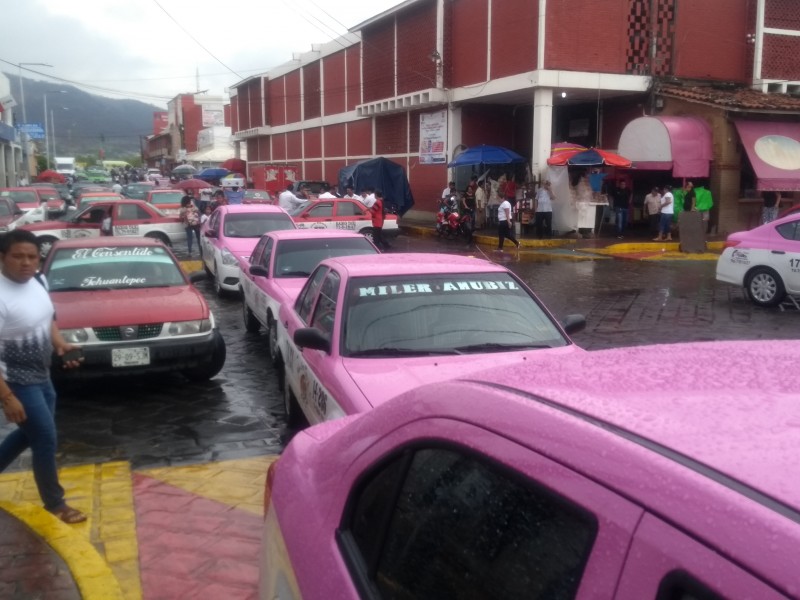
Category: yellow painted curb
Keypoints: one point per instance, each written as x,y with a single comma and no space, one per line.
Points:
92,574
190,266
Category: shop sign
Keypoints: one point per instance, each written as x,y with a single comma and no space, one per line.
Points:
433,138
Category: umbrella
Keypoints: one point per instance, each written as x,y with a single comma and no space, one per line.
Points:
50,176
486,155
184,170
588,158
191,184
234,164
211,174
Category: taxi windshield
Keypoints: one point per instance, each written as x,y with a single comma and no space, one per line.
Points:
166,198
254,225
112,268
298,258
443,313
23,197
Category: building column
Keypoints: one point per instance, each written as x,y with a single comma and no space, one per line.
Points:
3,164
454,133
542,130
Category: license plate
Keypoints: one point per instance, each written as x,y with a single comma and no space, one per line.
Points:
130,357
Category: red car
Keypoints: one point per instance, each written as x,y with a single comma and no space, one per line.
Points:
30,198
8,212
132,310
340,213
168,201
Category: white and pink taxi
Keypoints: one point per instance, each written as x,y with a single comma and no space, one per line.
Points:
113,218
280,266
340,213
230,234
366,328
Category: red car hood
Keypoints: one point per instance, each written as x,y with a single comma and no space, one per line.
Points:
380,379
109,308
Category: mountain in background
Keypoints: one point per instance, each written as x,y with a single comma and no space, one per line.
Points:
90,123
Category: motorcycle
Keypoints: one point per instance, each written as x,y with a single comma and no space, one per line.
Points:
449,223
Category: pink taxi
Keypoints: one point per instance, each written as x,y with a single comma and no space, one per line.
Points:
280,265
231,233
570,479
366,328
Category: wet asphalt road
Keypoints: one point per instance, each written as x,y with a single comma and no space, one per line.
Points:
167,421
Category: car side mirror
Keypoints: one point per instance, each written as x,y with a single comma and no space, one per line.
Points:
573,324
310,337
258,271
210,233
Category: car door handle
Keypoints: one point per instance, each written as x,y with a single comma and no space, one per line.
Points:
778,252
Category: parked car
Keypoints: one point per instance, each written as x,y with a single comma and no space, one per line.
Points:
340,213
127,218
62,189
280,265
257,197
31,198
9,212
132,310
98,175
764,260
570,479
168,201
365,328
231,233
137,190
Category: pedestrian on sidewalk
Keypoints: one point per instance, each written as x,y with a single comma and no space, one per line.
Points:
769,211
667,210
377,221
481,200
190,217
505,229
652,209
622,204
543,217
28,337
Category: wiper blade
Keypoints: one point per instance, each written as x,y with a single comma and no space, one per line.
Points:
497,347
381,352
80,289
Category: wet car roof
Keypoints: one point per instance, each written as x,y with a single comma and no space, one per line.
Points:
304,234
412,264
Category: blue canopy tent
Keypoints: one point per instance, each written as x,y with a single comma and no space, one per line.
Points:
486,155
381,174
211,174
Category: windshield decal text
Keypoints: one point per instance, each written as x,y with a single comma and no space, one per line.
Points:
82,253
93,281
425,288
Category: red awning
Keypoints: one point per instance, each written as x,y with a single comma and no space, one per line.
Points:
773,148
682,144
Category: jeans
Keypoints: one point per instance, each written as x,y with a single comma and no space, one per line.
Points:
37,432
665,228
190,232
621,215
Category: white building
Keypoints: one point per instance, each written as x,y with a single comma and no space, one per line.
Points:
10,148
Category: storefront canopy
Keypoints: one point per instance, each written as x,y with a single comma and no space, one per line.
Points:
682,144
773,148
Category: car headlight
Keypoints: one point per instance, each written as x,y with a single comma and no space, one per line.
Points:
75,336
189,327
228,258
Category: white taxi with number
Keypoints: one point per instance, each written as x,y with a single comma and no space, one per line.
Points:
340,213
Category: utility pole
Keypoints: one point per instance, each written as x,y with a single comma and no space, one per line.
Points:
24,135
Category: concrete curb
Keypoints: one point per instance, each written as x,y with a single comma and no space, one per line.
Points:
91,573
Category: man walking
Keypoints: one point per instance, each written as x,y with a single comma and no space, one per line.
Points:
28,336
622,202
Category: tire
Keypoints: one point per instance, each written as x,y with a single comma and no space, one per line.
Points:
157,235
46,244
764,287
272,336
251,324
367,233
294,416
207,371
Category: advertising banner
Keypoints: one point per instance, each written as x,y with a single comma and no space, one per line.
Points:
433,138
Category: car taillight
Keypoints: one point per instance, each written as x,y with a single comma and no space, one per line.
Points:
731,244
268,485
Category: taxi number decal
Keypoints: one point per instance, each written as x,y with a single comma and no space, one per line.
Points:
90,282
794,265
348,225
425,288
126,229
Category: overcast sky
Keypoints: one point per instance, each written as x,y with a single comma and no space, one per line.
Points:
140,48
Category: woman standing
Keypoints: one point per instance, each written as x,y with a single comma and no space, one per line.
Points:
190,217
543,219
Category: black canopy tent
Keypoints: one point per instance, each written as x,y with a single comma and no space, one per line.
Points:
381,174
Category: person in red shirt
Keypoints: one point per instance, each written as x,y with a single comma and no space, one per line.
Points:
377,221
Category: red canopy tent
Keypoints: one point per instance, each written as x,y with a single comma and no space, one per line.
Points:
236,165
587,158
50,176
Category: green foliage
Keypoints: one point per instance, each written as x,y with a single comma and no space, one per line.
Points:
41,163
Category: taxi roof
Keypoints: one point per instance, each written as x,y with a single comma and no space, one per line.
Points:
400,263
250,208
305,234
101,242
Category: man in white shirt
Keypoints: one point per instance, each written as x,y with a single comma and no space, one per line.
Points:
667,211
368,197
326,193
287,200
652,209
450,190
349,195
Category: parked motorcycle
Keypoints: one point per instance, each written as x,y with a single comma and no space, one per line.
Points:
449,223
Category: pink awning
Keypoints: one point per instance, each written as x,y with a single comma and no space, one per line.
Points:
773,148
682,144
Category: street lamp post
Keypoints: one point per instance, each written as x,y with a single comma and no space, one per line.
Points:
24,116
53,132
46,128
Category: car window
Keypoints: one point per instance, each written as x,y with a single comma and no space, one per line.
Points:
5,209
325,311
679,585
166,198
267,255
444,523
348,209
433,313
307,295
213,221
789,231
321,209
254,225
298,258
131,212
23,197
112,267
255,257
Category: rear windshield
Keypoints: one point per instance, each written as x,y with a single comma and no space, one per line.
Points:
86,201
297,258
447,314
167,198
112,267
254,225
22,197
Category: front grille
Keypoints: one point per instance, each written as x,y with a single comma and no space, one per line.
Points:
114,334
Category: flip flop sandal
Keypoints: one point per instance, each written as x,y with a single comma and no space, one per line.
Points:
69,515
